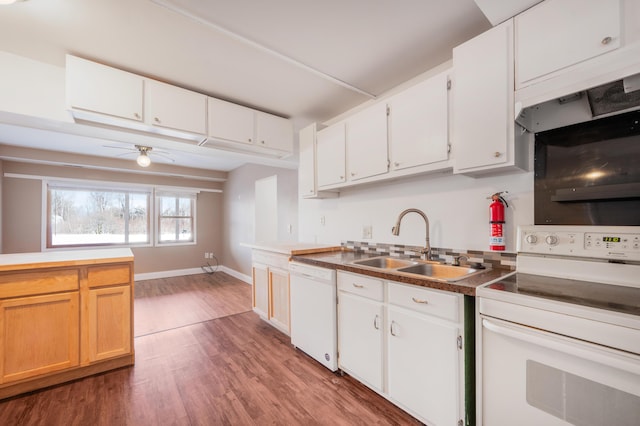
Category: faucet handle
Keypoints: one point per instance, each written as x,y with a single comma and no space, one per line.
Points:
456,259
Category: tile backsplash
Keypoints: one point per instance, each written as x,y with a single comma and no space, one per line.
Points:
490,259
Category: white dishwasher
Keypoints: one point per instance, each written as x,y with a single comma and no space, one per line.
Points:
313,299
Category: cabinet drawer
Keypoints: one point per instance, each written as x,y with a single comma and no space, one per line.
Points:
41,282
100,276
361,285
432,302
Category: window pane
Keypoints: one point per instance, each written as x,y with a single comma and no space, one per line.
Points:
174,230
168,206
86,217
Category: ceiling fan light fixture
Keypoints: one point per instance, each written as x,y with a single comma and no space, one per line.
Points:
143,159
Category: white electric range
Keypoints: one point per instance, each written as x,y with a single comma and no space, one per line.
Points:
559,339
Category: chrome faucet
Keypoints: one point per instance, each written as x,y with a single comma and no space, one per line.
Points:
426,251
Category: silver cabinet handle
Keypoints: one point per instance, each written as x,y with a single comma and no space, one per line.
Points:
357,285
376,325
262,142
250,140
156,119
606,40
353,173
136,115
420,300
391,329
497,154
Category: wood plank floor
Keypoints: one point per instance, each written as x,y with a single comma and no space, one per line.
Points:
204,358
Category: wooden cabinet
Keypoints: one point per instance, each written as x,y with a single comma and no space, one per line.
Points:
483,127
366,143
331,155
231,124
39,335
405,342
419,125
64,316
360,328
271,288
556,34
98,88
175,108
423,358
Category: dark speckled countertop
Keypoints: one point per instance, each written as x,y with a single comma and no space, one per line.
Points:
342,260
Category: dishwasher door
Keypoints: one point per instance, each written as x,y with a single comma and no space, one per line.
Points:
313,300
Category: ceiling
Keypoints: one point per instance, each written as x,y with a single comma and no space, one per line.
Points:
301,59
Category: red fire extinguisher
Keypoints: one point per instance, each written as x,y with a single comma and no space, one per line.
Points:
496,218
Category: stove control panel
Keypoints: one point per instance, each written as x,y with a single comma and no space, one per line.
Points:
604,242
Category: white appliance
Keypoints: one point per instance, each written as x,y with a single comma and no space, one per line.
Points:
314,328
558,341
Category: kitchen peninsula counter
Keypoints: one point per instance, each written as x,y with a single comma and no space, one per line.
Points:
341,259
65,315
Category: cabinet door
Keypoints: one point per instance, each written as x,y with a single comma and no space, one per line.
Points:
360,325
307,162
418,124
279,298
39,335
330,151
175,108
482,106
367,143
99,88
558,33
230,122
260,294
109,322
274,132
423,366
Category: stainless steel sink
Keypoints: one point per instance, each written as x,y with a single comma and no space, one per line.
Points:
426,269
439,272
385,262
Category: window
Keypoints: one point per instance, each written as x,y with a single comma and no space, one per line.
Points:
83,216
176,219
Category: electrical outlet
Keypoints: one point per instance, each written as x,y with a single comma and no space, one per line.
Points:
367,232
206,255
322,220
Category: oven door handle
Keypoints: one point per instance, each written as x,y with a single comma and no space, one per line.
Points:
588,351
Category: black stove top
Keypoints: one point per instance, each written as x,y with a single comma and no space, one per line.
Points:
602,296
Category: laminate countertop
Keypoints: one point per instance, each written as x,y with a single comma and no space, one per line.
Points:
49,259
342,259
290,248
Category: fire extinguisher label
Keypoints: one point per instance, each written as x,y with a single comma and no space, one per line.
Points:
496,241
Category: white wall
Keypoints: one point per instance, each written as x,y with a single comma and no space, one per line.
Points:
457,208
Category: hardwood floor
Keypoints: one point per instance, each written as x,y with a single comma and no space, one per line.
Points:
204,358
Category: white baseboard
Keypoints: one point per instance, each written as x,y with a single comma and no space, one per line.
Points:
191,271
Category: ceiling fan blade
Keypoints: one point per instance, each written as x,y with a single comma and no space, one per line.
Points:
120,147
154,154
124,154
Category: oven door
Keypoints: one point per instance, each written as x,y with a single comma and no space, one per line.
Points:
531,377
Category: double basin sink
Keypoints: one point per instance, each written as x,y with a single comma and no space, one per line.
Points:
424,269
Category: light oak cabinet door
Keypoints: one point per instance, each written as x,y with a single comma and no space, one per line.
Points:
109,322
98,88
260,289
175,108
39,335
360,339
230,122
423,366
419,125
331,155
279,298
367,143
556,34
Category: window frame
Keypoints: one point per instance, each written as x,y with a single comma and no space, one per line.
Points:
193,197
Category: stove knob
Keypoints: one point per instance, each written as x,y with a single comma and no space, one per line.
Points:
552,240
531,239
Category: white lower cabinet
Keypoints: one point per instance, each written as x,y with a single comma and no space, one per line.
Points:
404,342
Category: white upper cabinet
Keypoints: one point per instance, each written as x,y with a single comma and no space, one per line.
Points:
367,143
330,155
482,117
556,34
274,132
418,124
254,129
307,170
175,108
230,122
101,89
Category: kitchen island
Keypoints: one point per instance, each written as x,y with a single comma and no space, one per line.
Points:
64,315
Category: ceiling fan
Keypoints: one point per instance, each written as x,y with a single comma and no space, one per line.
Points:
142,151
